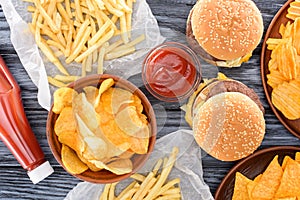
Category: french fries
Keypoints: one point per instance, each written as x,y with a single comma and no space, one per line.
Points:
79,30
151,186
284,65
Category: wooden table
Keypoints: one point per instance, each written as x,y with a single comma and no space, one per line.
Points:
170,14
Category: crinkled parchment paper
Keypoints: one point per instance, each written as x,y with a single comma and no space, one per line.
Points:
38,67
188,168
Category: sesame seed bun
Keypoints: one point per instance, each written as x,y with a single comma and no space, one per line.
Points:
226,29
229,126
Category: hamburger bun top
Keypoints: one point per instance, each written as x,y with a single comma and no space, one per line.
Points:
227,29
229,126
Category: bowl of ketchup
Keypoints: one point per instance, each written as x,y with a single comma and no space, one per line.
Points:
171,72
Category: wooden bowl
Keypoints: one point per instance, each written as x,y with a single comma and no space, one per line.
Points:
273,31
253,166
138,160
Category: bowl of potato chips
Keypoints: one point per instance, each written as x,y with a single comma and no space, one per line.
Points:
280,66
101,128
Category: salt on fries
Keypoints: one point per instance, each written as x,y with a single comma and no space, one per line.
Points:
80,30
284,65
151,186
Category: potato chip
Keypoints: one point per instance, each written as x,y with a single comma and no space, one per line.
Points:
91,93
115,135
71,161
126,154
90,165
95,148
290,182
114,99
286,99
240,187
275,78
71,140
294,10
287,198
65,121
140,145
269,182
119,166
129,121
86,111
137,103
296,36
105,85
62,98
287,60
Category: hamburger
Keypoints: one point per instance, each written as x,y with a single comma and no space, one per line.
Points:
224,32
227,118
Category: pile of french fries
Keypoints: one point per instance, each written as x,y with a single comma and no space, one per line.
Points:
80,30
152,186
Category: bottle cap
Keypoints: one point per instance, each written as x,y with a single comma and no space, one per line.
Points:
40,173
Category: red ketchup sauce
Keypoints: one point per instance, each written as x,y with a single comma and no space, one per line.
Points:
15,130
170,73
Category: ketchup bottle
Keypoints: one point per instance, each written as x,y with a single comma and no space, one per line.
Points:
15,130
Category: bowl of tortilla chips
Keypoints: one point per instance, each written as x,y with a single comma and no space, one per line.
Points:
271,173
101,128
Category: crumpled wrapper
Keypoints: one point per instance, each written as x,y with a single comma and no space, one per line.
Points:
188,168
37,65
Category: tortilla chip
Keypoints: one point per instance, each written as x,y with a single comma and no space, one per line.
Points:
252,184
285,161
240,187
269,182
290,182
297,158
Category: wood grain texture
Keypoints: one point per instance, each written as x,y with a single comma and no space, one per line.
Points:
171,16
